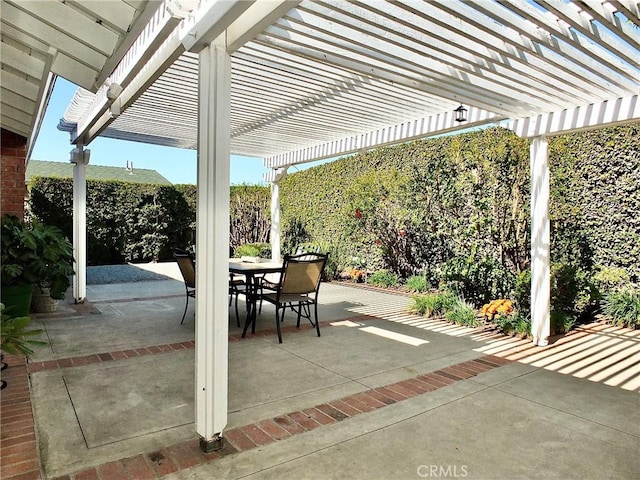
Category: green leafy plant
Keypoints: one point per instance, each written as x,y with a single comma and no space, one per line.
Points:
516,323
561,322
14,335
418,283
431,304
478,280
35,254
384,278
261,249
623,308
463,313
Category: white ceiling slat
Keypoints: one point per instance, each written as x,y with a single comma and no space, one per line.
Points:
116,16
16,114
81,52
465,61
18,85
14,126
574,47
63,18
368,67
572,16
623,30
68,68
313,78
27,64
539,55
629,8
17,101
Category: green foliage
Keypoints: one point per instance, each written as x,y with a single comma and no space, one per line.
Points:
463,313
623,307
561,321
610,279
418,283
249,215
35,254
477,280
432,304
142,222
383,278
595,178
514,324
262,250
522,293
14,335
572,291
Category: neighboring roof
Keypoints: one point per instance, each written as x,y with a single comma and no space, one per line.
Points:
42,168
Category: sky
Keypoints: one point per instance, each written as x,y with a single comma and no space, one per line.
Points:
175,164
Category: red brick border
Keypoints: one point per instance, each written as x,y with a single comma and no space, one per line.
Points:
188,454
19,459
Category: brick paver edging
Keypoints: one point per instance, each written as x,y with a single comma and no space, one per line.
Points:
165,348
188,454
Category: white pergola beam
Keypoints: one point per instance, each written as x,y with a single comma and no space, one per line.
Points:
254,20
599,115
422,127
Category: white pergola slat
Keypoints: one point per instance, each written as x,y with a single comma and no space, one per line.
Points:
313,75
79,41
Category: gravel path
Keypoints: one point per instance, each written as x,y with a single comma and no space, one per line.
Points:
100,275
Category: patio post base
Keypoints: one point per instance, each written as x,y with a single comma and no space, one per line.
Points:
208,446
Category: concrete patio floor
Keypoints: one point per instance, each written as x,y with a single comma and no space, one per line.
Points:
381,394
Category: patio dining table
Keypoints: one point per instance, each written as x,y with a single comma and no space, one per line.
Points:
252,271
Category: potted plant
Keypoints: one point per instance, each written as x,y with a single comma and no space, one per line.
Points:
13,336
33,255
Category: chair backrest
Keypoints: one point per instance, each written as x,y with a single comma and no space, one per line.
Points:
187,267
307,248
302,273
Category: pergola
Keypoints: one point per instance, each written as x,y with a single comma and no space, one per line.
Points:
296,81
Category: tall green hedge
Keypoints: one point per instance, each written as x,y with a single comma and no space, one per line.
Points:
142,222
415,206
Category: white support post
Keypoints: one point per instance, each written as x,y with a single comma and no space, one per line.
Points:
212,242
276,236
80,158
540,243
275,222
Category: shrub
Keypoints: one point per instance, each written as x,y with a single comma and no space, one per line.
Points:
384,278
609,279
418,283
522,293
262,250
571,290
515,323
623,308
433,303
477,280
462,313
561,322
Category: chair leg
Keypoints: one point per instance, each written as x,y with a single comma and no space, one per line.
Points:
237,314
186,305
317,322
299,314
278,323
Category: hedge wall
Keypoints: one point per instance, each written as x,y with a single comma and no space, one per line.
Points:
415,206
142,222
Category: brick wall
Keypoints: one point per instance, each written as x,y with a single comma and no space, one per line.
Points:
12,185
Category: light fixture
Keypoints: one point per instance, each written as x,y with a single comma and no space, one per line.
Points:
461,114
